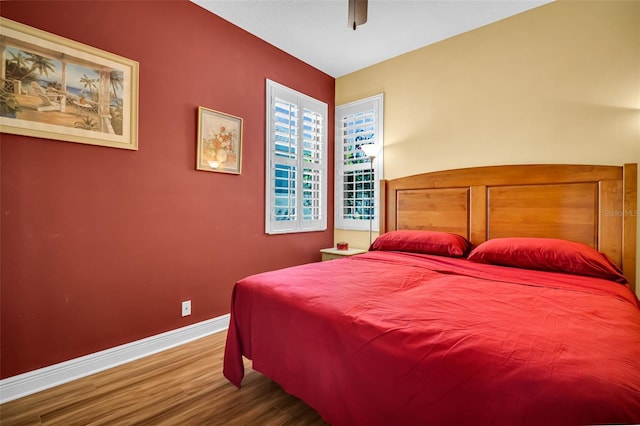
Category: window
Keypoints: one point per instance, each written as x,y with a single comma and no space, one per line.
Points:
357,191
296,169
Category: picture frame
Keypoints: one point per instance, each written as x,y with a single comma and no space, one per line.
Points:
56,88
219,147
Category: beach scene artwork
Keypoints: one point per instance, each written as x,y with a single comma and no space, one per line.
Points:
59,89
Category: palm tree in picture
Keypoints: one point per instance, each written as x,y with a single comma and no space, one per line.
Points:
86,123
116,116
40,64
18,64
88,83
116,79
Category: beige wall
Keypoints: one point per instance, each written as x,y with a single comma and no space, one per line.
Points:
557,84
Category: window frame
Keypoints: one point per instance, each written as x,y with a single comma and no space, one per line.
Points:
315,164
375,103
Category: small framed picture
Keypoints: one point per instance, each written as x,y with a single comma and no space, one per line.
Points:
219,142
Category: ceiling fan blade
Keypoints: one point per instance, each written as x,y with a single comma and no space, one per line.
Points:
357,12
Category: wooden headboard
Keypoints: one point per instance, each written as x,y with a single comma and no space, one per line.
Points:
594,205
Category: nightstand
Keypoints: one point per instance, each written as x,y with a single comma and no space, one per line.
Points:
334,253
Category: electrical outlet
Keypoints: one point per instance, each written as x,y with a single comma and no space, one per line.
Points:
186,308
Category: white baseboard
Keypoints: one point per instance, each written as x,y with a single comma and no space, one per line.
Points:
37,380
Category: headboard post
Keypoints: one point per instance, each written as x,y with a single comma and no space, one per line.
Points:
630,221
383,211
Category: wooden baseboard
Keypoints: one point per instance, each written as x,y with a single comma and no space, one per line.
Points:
44,378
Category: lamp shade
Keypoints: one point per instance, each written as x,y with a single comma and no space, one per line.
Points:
370,150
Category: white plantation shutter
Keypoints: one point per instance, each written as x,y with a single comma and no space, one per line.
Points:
314,160
284,164
296,166
357,192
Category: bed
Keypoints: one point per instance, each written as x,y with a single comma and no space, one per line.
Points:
494,295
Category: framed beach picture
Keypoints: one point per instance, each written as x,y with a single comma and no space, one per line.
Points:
55,88
219,142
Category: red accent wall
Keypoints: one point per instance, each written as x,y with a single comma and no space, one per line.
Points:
100,245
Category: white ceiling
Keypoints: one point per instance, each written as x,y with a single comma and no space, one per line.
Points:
317,32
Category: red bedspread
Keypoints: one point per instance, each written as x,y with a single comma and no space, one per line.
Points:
389,338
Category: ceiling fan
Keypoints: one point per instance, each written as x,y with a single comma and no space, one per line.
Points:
357,13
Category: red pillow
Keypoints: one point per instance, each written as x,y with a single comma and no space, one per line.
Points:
547,254
427,242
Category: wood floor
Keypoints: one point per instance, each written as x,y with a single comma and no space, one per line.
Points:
180,386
